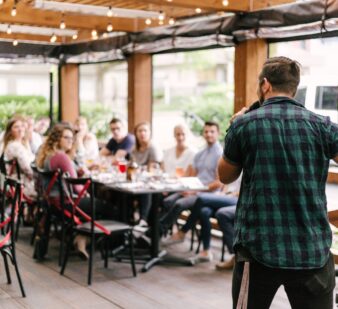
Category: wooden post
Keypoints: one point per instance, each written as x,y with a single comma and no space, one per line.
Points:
249,59
69,107
139,89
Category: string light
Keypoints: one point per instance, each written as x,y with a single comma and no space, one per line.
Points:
225,2
148,21
62,24
15,43
53,38
109,27
13,11
110,12
171,21
198,10
9,29
161,15
74,37
160,22
105,35
94,34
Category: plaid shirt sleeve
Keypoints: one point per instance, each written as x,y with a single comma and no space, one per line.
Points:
232,149
333,140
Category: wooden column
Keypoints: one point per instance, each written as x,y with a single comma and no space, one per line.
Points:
139,89
249,59
69,92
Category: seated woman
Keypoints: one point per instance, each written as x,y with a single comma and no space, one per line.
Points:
85,143
52,156
16,146
178,160
207,206
144,153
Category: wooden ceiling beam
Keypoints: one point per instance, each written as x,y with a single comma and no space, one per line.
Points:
213,5
27,15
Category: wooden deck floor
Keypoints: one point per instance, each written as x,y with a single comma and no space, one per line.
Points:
163,286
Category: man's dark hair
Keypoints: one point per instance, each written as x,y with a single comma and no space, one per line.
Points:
115,120
282,73
212,124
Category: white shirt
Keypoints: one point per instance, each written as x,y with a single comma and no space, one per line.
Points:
183,161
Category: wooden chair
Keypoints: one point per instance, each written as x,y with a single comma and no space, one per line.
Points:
90,227
12,195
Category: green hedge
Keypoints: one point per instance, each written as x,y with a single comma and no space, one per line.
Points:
35,106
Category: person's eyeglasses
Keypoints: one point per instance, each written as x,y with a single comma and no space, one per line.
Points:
68,138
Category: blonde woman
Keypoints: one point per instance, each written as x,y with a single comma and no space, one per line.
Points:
85,142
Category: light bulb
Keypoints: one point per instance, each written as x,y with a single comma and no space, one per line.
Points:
62,24
110,12
198,10
160,22
74,36
13,11
161,15
148,21
109,27
225,2
53,38
171,21
15,43
9,29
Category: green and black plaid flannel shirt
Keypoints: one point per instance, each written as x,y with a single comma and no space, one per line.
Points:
284,151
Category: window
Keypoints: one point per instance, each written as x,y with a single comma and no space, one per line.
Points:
327,97
300,95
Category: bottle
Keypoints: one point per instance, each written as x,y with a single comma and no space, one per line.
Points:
132,169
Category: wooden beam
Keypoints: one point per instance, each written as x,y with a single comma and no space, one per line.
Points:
261,4
213,5
69,92
249,59
139,89
27,15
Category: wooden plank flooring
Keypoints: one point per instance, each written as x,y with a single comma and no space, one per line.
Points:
164,286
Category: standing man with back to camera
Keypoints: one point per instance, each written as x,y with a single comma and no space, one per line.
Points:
282,233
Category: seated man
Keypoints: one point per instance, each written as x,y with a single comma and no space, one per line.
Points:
205,168
121,142
207,206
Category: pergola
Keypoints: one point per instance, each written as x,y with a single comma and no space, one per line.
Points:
83,31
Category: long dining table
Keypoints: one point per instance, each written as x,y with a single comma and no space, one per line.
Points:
155,188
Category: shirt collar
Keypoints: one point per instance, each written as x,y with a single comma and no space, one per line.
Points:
283,100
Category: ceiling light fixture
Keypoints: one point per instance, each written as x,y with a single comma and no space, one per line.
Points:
171,21
198,10
9,29
86,9
148,21
15,43
62,23
94,34
110,12
53,38
225,2
13,11
109,27
161,15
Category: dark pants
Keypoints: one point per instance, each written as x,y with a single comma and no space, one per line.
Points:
144,204
306,289
205,207
225,217
174,204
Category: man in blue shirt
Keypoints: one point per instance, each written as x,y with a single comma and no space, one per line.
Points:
205,168
121,142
